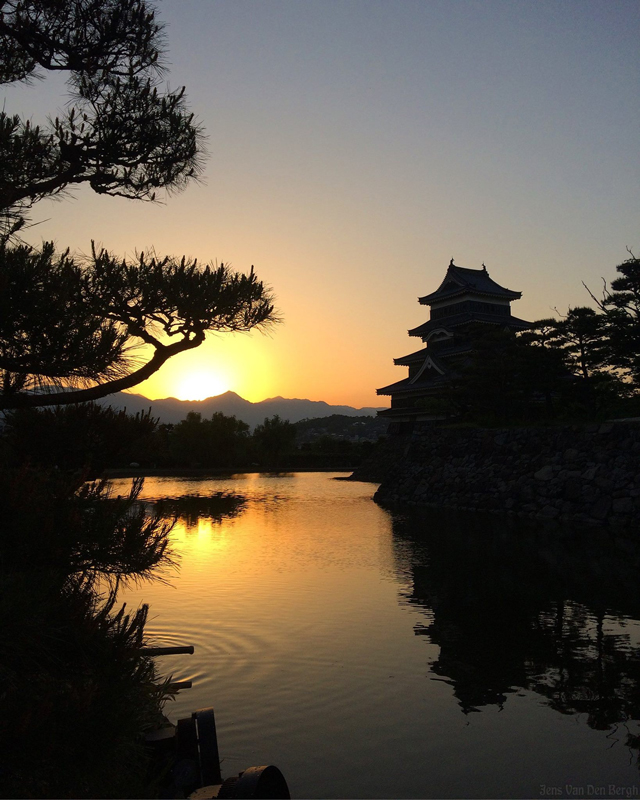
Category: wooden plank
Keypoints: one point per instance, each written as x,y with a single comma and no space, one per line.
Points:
168,651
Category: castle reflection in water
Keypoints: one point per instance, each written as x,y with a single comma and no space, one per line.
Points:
553,611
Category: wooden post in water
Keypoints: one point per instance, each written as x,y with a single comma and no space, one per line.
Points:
168,651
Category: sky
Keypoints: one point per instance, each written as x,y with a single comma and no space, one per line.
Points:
355,147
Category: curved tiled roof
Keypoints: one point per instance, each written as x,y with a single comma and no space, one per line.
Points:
460,280
406,386
462,319
412,358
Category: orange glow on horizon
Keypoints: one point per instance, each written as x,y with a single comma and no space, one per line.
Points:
200,384
258,367
237,363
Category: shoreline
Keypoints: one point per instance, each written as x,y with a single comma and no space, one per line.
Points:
183,472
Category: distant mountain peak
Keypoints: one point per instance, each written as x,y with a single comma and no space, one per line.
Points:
172,410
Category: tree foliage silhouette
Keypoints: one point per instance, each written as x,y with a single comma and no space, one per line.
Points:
78,691
221,441
274,438
121,134
77,325
620,304
579,336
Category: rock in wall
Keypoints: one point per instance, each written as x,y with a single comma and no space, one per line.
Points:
586,474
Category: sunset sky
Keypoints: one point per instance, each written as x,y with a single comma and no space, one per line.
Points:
355,146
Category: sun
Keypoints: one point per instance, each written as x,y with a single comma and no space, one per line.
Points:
200,385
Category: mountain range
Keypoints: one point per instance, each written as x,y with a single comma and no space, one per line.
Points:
172,410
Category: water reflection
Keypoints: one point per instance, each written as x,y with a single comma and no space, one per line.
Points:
312,663
190,508
514,607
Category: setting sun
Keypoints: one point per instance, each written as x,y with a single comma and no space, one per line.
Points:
200,385
241,364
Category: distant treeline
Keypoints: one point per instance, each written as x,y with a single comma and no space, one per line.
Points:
90,437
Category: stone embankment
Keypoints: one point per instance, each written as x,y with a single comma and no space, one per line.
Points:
587,474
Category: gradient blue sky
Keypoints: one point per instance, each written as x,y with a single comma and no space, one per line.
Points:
355,147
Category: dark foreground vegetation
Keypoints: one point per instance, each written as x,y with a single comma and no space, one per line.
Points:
76,692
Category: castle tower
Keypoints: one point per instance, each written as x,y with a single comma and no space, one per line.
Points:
466,299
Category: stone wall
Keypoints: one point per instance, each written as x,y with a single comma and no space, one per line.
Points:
586,474
387,457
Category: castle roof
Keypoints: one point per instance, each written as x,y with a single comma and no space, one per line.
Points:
460,280
463,319
407,387
412,358
465,300
431,374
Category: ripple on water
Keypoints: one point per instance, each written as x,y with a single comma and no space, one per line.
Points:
303,611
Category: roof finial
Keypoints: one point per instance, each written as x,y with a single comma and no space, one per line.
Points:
451,264
484,266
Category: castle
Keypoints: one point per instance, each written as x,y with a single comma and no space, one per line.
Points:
465,300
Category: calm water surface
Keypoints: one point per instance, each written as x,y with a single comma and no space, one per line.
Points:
377,655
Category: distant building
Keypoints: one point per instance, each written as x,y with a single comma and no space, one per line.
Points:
466,300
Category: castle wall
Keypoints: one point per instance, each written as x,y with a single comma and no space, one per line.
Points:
586,474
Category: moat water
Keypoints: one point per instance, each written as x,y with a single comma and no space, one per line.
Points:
371,654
